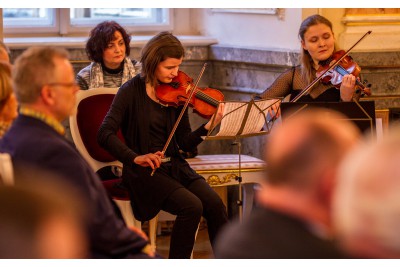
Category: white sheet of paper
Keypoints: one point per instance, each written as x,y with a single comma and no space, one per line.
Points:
234,113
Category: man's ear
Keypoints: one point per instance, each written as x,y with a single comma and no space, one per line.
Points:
47,95
327,183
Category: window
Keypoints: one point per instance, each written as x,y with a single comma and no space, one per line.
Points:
27,16
67,21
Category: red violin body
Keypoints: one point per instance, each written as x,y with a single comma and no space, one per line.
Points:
345,66
204,101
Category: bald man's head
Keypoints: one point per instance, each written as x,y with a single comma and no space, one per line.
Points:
306,144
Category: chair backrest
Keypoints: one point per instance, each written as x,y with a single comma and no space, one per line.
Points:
6,169
91,107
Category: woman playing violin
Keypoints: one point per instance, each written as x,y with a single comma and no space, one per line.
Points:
318,45
146,125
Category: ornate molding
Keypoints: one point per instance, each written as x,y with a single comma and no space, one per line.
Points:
215,180
357,20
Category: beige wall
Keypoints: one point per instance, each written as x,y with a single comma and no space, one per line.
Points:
252,30
269,32
262,31
335,15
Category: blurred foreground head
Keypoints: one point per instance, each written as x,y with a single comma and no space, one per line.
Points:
367,199
302,155
41,219
307,146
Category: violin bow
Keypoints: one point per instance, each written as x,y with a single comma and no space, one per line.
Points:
182,112
311,85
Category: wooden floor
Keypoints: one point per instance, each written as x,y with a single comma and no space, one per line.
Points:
202,246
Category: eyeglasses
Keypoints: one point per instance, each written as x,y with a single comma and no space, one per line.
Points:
74,84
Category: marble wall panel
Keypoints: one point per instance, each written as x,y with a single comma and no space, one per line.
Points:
241,73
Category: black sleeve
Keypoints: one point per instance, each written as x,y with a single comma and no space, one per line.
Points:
188,140
107,134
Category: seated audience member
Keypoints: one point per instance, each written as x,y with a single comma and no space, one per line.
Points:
41,219
4,52
8,102
292,217
36,138
108,49
367,199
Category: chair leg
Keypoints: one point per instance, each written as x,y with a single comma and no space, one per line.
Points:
126,210
153,232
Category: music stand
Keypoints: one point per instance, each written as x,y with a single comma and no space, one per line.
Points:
241,120
362,114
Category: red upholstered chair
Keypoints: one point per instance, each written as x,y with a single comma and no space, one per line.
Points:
91,108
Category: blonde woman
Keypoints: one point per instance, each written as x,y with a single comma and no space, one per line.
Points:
8,102
317,46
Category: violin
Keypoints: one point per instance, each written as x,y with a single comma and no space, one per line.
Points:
330,67
346,66
204,101
182,91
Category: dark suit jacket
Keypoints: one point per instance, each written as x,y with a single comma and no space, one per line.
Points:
269,234
33,142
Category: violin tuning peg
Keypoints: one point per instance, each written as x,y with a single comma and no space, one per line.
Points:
365,81
369,85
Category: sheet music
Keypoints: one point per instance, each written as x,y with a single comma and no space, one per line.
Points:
234,114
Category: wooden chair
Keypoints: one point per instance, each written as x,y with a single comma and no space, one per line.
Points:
91,107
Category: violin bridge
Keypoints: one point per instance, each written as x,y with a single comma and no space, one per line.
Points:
188,88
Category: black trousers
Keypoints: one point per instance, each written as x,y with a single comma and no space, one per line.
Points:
189,204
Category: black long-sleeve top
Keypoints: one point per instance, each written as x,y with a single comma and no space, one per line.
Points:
292,83
130,112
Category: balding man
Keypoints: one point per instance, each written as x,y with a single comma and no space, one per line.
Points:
292,219
45,87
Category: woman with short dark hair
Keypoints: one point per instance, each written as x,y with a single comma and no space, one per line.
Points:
108,49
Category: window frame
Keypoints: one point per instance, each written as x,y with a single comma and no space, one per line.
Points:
61,26
51,28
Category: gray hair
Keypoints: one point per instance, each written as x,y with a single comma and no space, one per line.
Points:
367,198
33,69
